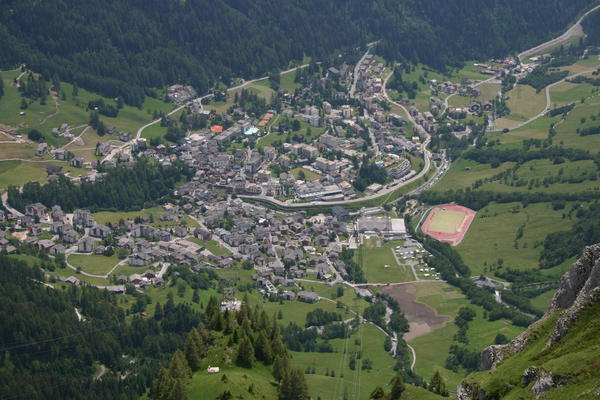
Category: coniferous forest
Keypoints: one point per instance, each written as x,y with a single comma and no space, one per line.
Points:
121,48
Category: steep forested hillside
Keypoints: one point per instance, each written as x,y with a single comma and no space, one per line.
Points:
120,48
47,353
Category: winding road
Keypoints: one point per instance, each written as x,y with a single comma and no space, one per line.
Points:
548,102
573,31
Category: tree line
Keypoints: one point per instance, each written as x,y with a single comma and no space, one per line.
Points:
200,42
124,189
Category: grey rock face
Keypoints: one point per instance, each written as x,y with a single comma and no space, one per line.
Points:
578,287
543,383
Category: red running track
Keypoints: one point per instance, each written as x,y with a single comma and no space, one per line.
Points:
451,238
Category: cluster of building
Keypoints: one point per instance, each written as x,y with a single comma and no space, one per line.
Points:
180,94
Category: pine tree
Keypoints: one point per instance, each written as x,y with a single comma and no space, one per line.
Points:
437,385
1,87
158,312
397,387
245,354
192,352
179,391
280,366
196,297
293,386
378,393
163,385
262,348
179,368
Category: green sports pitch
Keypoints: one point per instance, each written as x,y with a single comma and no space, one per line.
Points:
446,221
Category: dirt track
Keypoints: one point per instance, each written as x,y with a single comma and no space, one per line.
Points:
421,318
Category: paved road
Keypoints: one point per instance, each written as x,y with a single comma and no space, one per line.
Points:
569,33
384,90
11,210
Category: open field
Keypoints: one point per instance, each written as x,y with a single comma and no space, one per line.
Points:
17,173
542,302
356,384
545,175
260,88
211,246
464,173
421,318
349,298
308,174
524,102
567,131
70,110
238,380
309,132
432,348
105,217
378,263
493,232
17,150
93,264
489,91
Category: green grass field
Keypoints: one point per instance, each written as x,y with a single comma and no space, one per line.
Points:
308,174
464,173
71,110
17,173
432,348
374,259
489,91
446,221
524,102
105,217
542,301
357,384
94,264
492,236
211,246
535,172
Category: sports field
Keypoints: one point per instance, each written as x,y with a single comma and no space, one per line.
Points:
448,223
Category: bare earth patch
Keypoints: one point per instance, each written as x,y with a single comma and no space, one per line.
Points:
421,319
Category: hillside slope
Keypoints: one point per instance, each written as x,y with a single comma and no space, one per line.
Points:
120,48
558,356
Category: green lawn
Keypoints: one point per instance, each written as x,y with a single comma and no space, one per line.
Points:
308,174
374,259
212,246
524,102
542,301
17,173
105,217
94,264
464,173
71,110
446,221
357,384
493,231
535,172
432,348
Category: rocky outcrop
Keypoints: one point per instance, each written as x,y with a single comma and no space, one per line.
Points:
577,289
